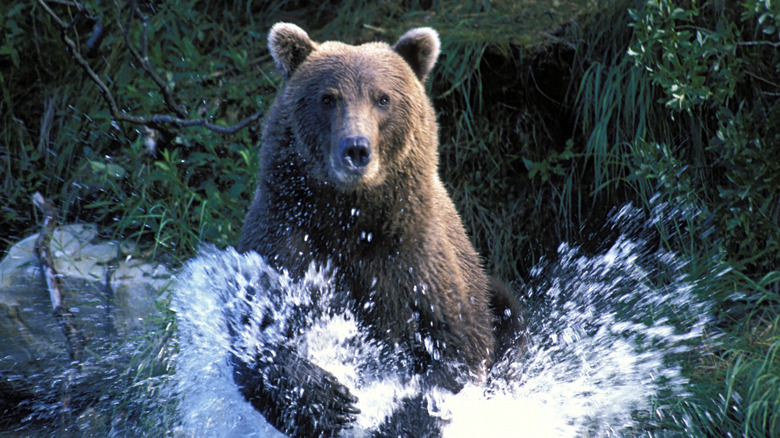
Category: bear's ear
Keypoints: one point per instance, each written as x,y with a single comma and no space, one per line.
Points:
289,46
419,48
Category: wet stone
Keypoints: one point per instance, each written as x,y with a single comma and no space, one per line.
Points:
110,293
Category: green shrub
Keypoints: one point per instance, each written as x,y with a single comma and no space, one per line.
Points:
162,185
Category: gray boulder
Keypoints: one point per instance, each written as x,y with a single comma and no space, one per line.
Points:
111,292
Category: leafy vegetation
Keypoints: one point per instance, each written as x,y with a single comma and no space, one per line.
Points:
161,185
550,117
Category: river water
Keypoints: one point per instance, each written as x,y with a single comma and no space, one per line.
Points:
608,337
607,334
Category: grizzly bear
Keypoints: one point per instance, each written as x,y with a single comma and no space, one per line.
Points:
349,178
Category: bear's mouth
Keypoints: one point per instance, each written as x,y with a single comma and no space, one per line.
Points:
346,175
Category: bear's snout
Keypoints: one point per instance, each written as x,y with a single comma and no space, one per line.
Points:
355,153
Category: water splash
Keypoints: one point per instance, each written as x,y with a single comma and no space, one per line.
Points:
606,334
605,341
220,288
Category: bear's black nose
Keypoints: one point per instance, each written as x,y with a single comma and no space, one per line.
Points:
356,152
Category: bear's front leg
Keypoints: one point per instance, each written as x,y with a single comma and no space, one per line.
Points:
295,395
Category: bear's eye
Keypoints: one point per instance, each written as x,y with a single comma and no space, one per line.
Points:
327,100
384,100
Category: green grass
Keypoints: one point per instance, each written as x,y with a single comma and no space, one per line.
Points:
735,387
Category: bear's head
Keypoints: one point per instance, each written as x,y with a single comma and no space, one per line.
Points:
358,114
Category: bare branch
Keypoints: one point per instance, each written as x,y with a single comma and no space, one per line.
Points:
143,60
42,248
182,123
119,115
61,24
73,338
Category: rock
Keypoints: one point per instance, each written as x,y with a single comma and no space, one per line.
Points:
101,277
110,291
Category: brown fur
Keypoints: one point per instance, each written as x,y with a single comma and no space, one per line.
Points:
388,227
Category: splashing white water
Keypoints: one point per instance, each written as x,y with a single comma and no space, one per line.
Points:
601,353
604,333
214,289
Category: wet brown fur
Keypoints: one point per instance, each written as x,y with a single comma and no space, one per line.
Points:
392,233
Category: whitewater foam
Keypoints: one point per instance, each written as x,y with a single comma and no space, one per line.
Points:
604,336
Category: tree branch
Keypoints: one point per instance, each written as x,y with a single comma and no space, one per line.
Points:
117,114
143,60
73,336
